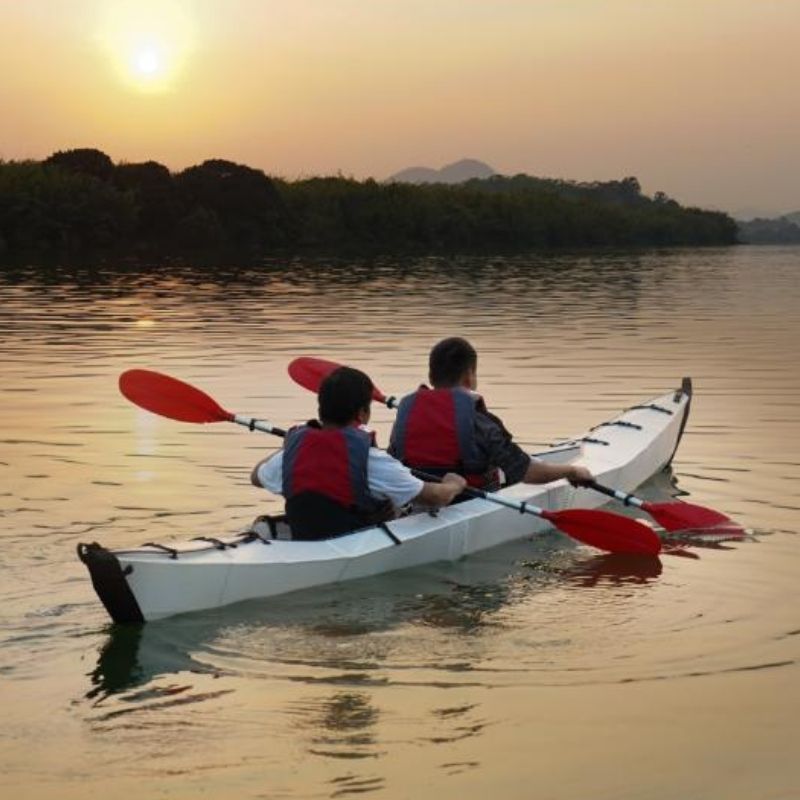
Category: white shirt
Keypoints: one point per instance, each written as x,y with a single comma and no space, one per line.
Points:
386,477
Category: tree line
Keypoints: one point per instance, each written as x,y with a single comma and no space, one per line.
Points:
780,230
78,203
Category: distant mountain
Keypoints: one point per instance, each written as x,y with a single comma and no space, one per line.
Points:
416,175
457,172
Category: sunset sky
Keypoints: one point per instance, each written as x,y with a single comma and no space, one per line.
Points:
697,98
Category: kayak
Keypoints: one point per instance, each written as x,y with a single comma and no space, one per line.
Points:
157,580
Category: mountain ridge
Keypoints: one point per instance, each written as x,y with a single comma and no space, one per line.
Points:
464,169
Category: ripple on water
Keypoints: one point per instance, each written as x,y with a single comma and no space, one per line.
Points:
563,619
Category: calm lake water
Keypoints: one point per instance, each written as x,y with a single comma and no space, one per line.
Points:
541,669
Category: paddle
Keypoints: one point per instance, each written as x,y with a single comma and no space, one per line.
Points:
309,373
170,397
673,516
600,529
676,515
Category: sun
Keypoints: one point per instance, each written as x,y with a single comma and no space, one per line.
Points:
148,62
149,65
147,42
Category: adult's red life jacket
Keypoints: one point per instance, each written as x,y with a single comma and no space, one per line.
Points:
435,432
324,477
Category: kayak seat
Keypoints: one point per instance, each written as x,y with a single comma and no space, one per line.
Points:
267,527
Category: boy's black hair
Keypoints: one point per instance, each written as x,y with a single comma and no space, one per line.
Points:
449,360
342,395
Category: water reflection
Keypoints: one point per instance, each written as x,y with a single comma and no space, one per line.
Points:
452,724
343,726
329,635
301,644
617,569
133,655
96,300
337,632
351,634
118,665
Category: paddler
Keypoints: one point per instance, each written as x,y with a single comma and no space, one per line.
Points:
447,428
333,476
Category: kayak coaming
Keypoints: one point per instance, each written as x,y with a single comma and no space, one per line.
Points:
192,576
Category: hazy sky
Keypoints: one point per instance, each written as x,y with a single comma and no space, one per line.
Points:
697,98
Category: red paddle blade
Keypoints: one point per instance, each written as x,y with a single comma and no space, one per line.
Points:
170,397
606,531
679,516
309,373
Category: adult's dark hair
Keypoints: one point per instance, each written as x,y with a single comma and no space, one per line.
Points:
449,360
342,395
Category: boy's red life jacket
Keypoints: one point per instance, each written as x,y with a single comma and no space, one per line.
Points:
328,461
435,432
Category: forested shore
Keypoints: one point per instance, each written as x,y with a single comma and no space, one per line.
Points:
78,203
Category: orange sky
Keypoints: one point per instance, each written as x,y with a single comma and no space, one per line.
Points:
698,98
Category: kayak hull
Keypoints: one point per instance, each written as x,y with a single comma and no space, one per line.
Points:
156,581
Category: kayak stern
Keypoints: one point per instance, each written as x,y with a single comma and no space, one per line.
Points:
108,579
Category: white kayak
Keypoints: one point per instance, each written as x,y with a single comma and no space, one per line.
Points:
158,580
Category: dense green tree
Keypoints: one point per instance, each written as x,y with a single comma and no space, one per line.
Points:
158,203
85,161
77,202
199,230
47,211
782,230
247,204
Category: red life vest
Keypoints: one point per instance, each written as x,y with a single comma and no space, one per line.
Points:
328,461
435,432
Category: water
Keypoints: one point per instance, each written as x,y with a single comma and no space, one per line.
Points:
538,669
